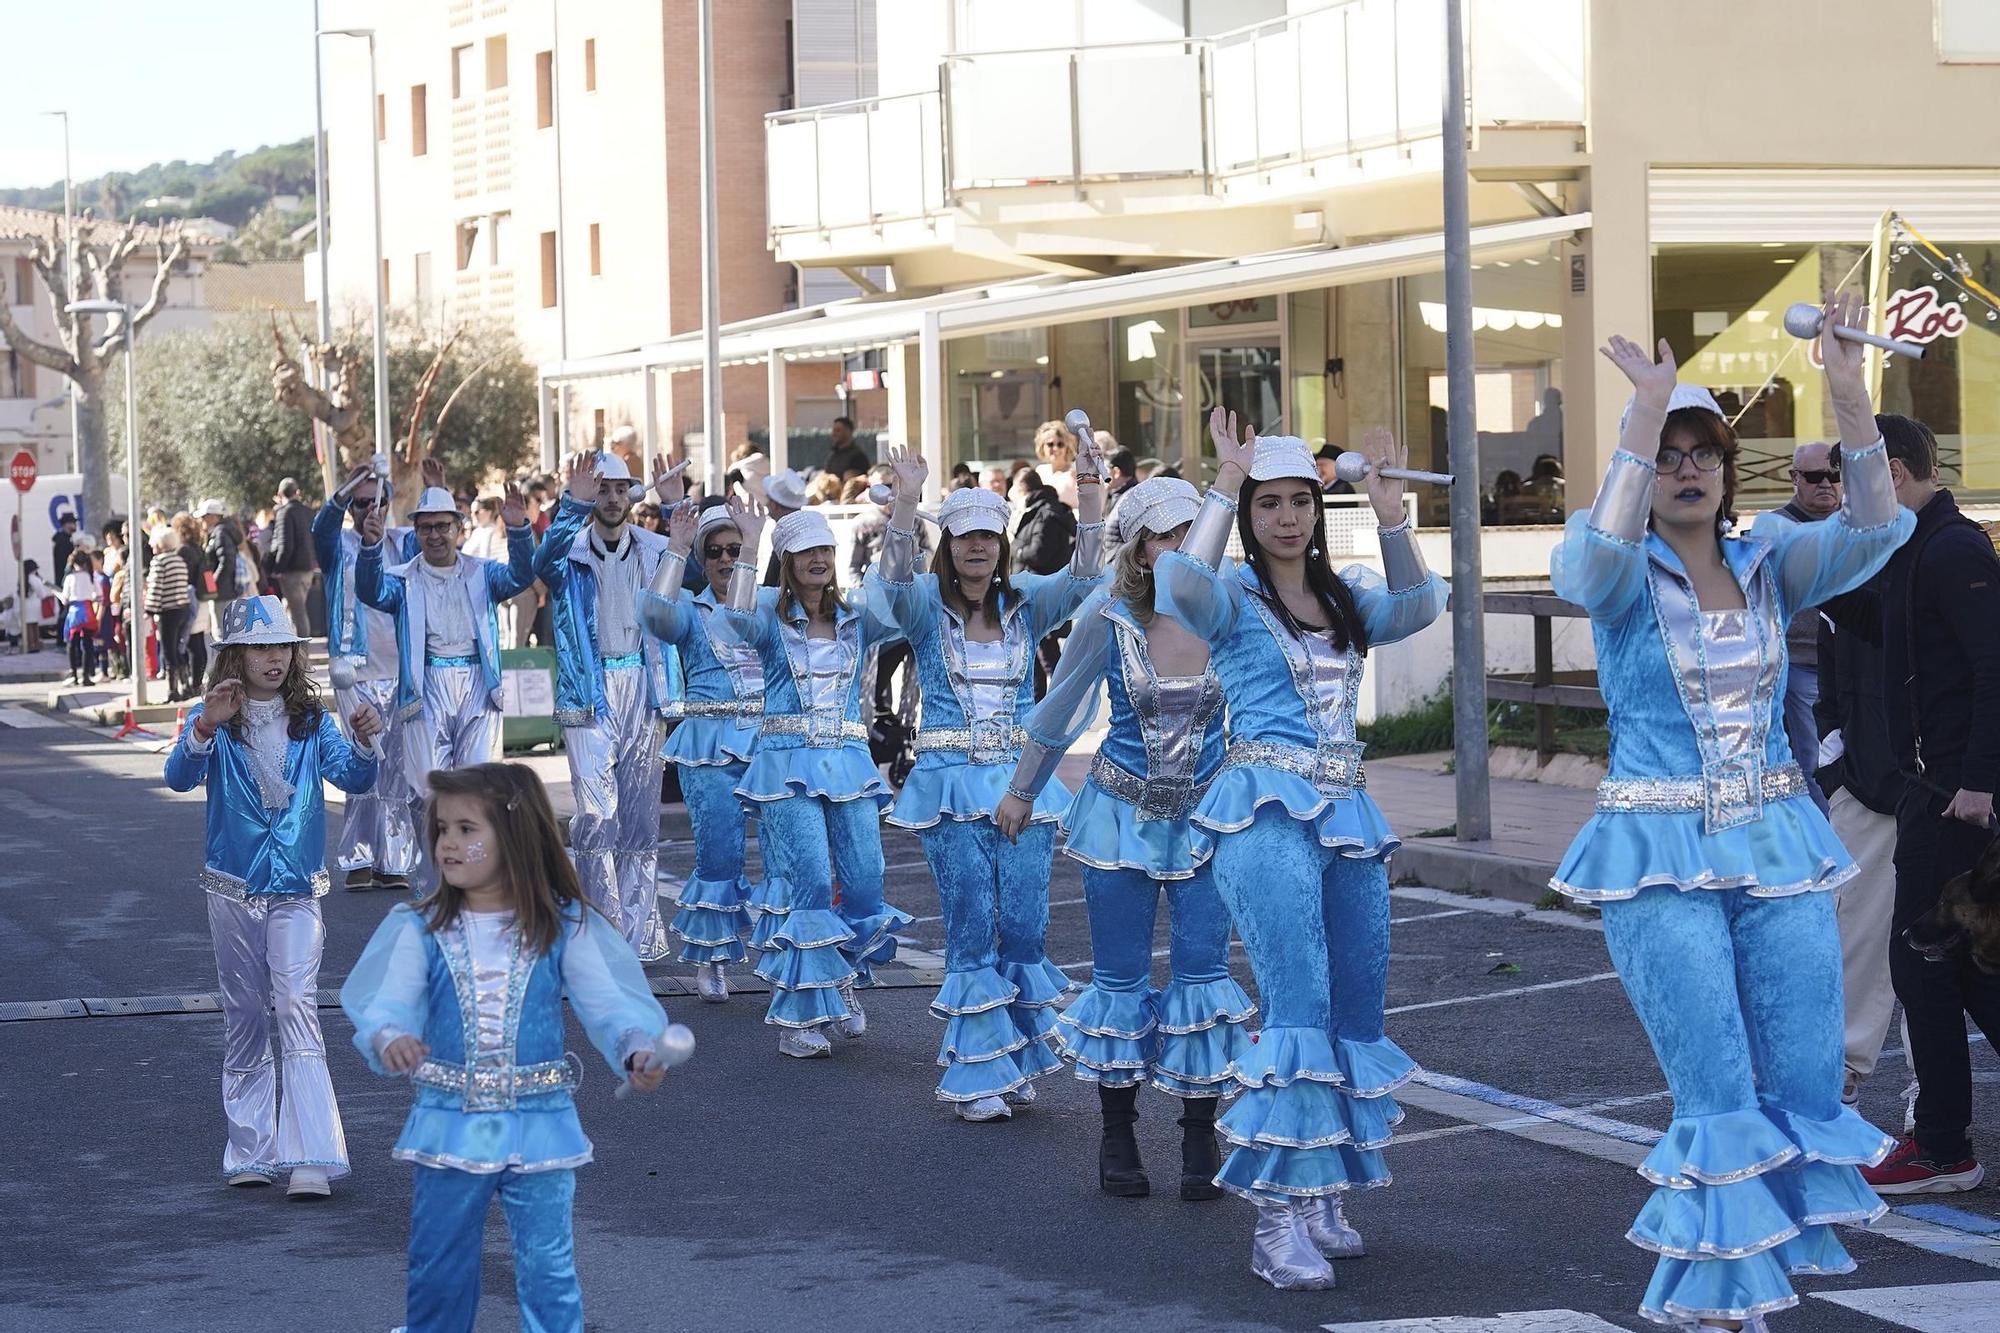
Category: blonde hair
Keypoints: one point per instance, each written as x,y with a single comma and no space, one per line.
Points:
1051,433
788,588
1131,579
825,490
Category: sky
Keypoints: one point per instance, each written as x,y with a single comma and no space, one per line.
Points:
174,81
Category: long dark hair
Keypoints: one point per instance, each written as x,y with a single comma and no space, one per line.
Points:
541,882
299,690
1343,617
954,595
1701,427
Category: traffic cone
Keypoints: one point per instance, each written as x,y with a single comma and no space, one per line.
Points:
130,724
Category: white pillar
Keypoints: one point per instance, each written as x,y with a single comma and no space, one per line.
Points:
899,367
930,405
780,411
546,419
649,414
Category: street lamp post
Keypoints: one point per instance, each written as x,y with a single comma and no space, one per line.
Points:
382,441
135,642
328,466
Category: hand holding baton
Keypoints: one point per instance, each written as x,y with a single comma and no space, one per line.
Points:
674,1047
1352,468
1805,320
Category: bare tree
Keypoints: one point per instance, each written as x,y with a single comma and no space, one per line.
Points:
81,356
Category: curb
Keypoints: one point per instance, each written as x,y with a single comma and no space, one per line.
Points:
1444,864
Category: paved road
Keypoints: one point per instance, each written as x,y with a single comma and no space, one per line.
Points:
757,1192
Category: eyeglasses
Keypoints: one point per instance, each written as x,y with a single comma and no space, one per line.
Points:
732,550
436,529
1707,457
1818,476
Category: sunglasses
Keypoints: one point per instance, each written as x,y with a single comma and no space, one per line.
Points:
360,504
1707,457
732,550
1817,476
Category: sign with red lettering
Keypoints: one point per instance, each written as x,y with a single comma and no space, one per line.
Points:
1920,315
21,471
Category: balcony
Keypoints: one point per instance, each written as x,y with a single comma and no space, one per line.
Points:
1359,82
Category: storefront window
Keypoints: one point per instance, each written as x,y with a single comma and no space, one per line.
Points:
1517,320
999,394
1938,300
1146,356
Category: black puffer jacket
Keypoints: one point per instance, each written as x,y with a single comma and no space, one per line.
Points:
1047,536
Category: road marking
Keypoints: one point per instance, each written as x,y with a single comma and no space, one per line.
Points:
1509,993
1499,907
1943,1307
1522,1122
1429,916
1056,902
1523,1321
27,717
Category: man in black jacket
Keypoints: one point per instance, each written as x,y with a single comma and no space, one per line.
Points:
290,559
1941,698
1862,785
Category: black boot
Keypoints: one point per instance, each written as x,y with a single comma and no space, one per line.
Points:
1201,1156
1118,1169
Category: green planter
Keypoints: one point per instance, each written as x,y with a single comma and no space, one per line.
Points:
528,700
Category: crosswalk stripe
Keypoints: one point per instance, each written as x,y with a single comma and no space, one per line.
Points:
27,717
1523,1321
1941,1307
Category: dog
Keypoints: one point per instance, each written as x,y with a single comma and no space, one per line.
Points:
1967,916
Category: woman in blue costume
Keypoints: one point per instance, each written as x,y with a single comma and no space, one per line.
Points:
723,696
972,633
1129,826
462,993
818,794
1300,851
1706,853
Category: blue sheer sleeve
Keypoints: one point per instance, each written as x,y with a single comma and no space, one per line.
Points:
1071,704
1391,616
1816,561
1053,598
1205,600
668,619
387,993
608,990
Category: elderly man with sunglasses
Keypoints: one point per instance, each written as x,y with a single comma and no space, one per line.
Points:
378,836
1815,495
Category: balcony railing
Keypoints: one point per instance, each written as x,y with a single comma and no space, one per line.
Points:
1339,81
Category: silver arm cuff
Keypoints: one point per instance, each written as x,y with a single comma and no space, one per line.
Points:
1037,765
898,561
742,594
1087,561
1869,493
667,578
1209,533
1402,558
1625,498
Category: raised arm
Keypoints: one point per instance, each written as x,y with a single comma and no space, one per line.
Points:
332,516
1601,562
893,592
374,585
518,574
665,609
1066,711
747,616
1190,584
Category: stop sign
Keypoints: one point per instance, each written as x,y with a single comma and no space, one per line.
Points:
21,471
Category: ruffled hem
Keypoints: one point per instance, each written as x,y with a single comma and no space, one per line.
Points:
970,1081
1297,1132
806,969
837,773
1109,1036
941,788
1730,1146
1751,1216
1201,1037
1619,855
971,993
768,904
1352,824
1370,1069
1040,985
711,921
874,941
711,742
992,1043
1107,834
1686,1290
1186,1007
486,1142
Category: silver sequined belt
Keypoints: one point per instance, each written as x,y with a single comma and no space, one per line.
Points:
496,1087
992,742
234,889
1154,798
820,732
737,708
1668,796
1334,770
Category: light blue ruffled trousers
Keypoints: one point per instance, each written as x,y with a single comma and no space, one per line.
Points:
1121,1032
1315,1111
999,988
809,948
711,920
447,1220
1741,998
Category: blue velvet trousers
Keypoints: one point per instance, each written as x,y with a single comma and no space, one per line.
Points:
447,1222
711,921
807,841
1741,998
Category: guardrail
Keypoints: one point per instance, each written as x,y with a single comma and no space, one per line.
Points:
865,162
1544,687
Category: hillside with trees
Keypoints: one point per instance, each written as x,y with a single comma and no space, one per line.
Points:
230,188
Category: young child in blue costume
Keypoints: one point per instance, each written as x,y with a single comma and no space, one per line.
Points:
462,994
972,632
1706,853
723,699
1129,826
818,794
262,744
1300,850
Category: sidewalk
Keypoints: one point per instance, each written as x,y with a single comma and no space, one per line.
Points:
1533,824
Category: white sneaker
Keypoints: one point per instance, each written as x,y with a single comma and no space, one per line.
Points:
986,1108
803,1044
856,1021
711,985
308,1182
249,1178
1023,1095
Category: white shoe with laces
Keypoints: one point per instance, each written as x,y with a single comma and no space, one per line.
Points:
804,1044
856,1021
308,1182
986,1108
711,984
1023,1095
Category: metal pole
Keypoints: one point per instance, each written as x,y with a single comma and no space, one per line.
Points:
135,641
382,441
711,295
1468,628
329,465
562,230
69,277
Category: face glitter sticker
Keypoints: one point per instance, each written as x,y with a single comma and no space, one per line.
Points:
475,853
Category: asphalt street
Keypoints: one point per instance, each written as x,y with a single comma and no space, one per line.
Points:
757,1192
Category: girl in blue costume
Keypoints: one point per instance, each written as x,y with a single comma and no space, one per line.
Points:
1706,852
724,697
1129,826
818,794
1300,851
462,993
972,633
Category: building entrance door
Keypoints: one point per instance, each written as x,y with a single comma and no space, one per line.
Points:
1244,376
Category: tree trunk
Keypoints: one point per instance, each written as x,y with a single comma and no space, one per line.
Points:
98,505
